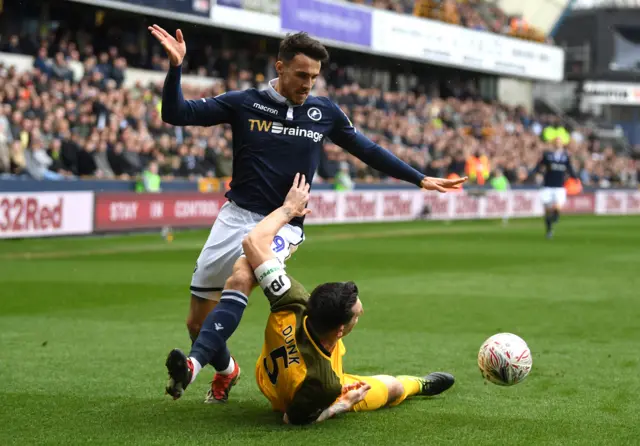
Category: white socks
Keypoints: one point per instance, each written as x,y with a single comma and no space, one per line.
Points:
196,368
230,368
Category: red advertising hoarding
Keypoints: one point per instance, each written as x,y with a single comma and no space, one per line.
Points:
122,211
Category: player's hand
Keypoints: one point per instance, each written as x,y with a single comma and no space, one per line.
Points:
354,393
349,387
298,197
442,184
176,48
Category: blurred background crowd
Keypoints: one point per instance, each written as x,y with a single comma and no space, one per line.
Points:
481,15
57,123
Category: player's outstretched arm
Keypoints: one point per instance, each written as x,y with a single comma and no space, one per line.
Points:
570,169
257,245
176,48
175,109
351,395
346,136
537,168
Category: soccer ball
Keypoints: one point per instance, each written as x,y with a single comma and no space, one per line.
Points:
504,359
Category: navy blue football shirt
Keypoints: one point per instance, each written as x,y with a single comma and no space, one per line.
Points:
557,166
274,139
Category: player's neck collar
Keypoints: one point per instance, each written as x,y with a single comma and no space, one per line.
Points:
315,339
274,95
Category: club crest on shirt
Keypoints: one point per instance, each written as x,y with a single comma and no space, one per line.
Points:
314,113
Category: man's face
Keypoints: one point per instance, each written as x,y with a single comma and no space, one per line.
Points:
297,77
358,310
559,144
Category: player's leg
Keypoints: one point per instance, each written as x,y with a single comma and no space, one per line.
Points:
555,203
214,266
198,311
180,369
548,221
228,313
220,326
390,390
560,199
547,201
433,384
384,389
210,346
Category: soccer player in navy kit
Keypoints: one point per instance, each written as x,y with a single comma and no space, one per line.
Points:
276,134
557,165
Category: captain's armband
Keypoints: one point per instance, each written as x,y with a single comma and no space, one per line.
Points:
272,277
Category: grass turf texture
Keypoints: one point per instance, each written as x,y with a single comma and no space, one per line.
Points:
86,324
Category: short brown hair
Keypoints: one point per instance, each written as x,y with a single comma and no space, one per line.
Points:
302,43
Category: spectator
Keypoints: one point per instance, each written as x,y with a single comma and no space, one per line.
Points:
188,161
12,45
41,61
96,127
104,66
479,15
343,181
477,168
175,167
55,154
150,180
69,152
87,166
117,72
18,159
38,162
60,68
5,151
224,162
457,165
119,165
498,181
102,160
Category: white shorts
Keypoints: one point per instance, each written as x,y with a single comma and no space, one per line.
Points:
224,247
554,196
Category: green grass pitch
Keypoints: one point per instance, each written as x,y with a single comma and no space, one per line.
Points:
86,323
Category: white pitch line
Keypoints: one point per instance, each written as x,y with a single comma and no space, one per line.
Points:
155,247
141,248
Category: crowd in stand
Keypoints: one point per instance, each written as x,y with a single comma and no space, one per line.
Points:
481,15
57,126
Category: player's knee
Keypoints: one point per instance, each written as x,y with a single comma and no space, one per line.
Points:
395,389
241,280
